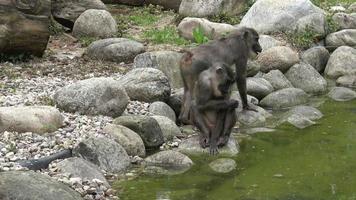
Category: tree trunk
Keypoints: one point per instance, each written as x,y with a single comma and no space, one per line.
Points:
24,26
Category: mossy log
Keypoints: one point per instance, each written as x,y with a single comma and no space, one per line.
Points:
24,26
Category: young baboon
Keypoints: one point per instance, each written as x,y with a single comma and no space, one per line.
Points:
235,48
212,110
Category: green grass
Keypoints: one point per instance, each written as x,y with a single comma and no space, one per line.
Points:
86,40
168,35
303,40
199,35
326,4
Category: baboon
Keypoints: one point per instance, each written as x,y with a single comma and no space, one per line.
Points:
212,110
235,48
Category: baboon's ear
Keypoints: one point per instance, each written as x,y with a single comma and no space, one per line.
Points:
246,34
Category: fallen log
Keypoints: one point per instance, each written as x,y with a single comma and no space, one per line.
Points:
24,26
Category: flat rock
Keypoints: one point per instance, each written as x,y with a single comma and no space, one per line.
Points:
115,49
66,12
341,62
36,119
279,57
34,186
198,8
302,116
223,165
105,153
277,79
172,162
346,37
147,127
342,94
146,84
95,23
269,16
191,146
94,96
78,167
166,61
127,138
305,77
317,57
284,98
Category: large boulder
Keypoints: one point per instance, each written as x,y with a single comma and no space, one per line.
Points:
78,167
204,8
268,16
191,146
277,79
347,81
66,12
315,23
146,84
115,49
342,94
162,109
305,77
147,128
171,161
211,29
128,139
285,98
36,119
346,37
279,57
317,57
258,87
166,61
95,23
345,21
341,62
267,42
31,185
168,127
105,153
94,96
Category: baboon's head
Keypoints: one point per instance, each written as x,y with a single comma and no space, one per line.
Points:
251,38
224,77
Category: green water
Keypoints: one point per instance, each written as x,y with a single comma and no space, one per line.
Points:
315,163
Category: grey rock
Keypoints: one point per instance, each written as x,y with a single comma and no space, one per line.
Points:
253,67
223,165
34,186
301,116
307,111
299,121
342,94
268,16
347,81
95,23
147,128
258,87
127,138
173,161
115,49
277,79
346,37
146,84
94,96
36,119
175,100
191,146
341,62
352,7
78,167
211,29
105,153
249,118
267,42
345,21
279,57
250,99
162,109
285,98
67,11
198,8
317,57
168,127
305,77
315,23
166,61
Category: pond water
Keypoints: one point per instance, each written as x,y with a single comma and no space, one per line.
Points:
315,163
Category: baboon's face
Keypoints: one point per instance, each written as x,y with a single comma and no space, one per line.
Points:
251,37
224,78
